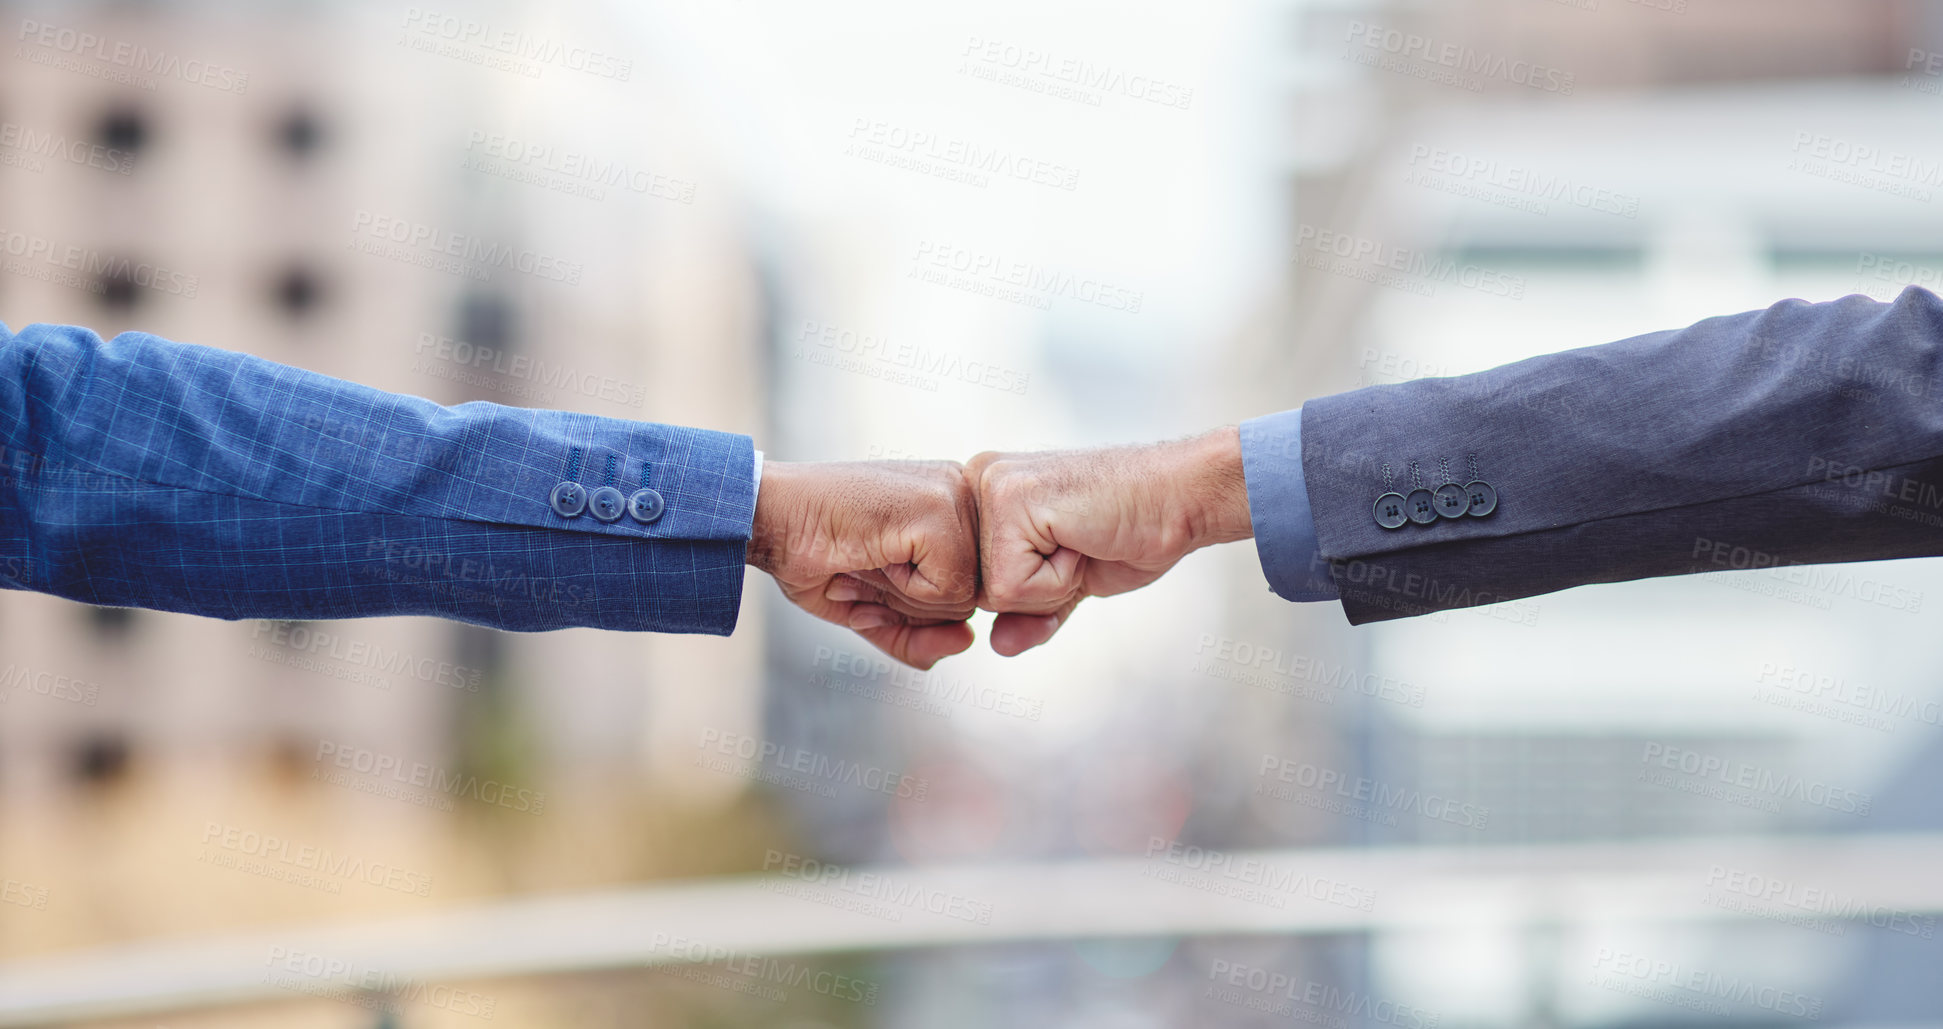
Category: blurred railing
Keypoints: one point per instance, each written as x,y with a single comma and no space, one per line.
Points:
809,908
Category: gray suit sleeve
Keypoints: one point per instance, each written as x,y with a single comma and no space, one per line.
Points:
1800,434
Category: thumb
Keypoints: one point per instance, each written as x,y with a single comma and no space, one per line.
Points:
1014,634
919,646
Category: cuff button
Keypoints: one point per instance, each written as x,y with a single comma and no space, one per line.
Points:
568,499
1389,511
1483,499
1421,506
645,505
606,504
1451,501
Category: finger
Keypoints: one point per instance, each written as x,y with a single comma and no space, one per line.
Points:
871,586
920,646
1023,566
1019,577
847,590
916,640
949,582
859,617
942,568
1014,634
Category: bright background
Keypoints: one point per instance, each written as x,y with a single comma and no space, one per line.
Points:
783,219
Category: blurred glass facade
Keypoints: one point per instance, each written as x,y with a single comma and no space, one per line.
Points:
915,231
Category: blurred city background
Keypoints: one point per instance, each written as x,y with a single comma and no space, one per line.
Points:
890,230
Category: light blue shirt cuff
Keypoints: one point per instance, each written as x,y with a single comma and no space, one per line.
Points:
1278,504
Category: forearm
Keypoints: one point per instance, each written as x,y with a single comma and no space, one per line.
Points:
157,474
1610,462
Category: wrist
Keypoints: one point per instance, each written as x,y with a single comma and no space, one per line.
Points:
1212,489
778,507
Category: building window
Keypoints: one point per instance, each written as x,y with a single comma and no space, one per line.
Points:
297,291
116,289
122,128
99,760
299,133
486,320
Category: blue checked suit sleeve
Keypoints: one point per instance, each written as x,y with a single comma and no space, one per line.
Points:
145,473
1278,504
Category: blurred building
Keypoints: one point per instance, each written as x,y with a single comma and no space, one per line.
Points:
1624,164
230,180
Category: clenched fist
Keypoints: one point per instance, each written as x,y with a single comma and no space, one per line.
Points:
1059,526
888,548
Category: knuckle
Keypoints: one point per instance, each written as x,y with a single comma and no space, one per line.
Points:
983,466
997,485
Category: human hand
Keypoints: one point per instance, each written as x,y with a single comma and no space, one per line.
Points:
888,548
1059,526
